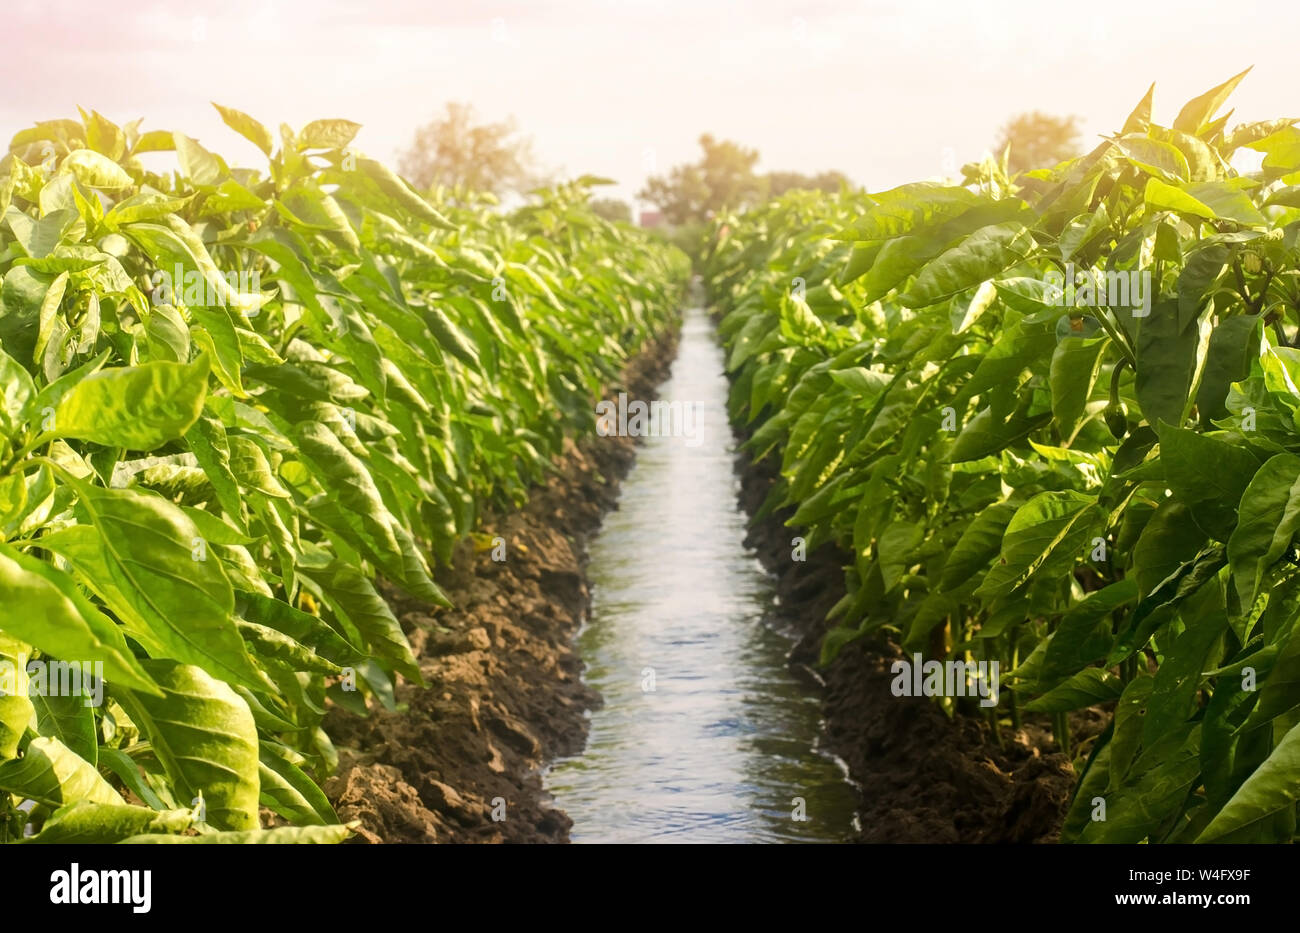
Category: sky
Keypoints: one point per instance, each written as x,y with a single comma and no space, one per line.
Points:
886,92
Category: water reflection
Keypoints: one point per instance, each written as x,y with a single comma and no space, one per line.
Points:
726,739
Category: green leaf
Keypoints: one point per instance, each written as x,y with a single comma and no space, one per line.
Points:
1083,635
19,390
175,242
210,446
982,255
1274,786
910,207
143,206
129,773
979,543
1268,518
22,298
1081,231
182,607
39,238
68,718
1199,111
205,737
397,189
1233,345
16,709
302,627
88,823
1155,157
53,775
168,335
327,134
353,597
862,382
60,621
897,259
154,141
213,530
277,650
1074,368
450,338
984,298
985,434
362,508
1281,690
137,407
250,467
200,166
1156,608
1167,358
1140,118
1247,134
1047,534
1282,148
1090,686
895,548
1154,791
860,261
103,135
1130,713
49,315
1201,269
1020,345
247,127
1208,475
288,790
1210,200
95,170
1169,539
1179,676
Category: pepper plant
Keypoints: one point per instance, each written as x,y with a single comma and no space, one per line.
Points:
1053,420
232,398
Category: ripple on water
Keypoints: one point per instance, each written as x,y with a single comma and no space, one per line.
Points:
728,736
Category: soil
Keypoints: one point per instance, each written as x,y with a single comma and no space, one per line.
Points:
459,762
924,777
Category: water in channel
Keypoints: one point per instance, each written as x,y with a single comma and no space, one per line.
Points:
704,735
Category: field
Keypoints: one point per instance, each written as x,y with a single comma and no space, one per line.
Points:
303,470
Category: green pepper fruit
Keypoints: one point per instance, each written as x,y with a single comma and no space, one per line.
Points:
1116,416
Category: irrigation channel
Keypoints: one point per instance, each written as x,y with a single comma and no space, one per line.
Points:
705,735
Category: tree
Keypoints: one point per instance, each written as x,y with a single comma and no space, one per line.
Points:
612,209
1039,140
778,183
455,150
723,177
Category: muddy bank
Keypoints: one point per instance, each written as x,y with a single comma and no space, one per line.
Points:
924,778
505,692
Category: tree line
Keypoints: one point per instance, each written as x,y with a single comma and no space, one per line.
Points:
467,157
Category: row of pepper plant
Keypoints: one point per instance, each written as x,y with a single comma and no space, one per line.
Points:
233,398
1053,421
